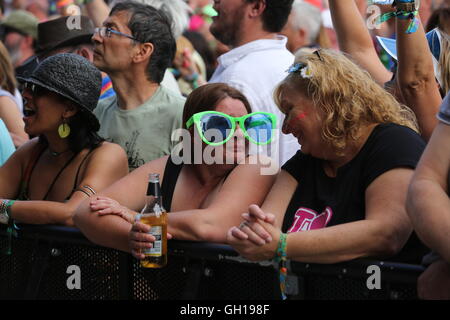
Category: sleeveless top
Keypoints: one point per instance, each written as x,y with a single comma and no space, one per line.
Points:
35,156
171,173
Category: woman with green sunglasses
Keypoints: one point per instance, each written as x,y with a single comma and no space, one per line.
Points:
203,198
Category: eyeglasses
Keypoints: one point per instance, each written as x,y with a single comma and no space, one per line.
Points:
216,128
106,31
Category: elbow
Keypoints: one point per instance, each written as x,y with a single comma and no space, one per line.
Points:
388,244
416,83
77,218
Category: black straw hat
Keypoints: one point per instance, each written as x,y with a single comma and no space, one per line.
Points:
72,77
62,32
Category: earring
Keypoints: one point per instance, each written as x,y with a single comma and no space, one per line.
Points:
64,129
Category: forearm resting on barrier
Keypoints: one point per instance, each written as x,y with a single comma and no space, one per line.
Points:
110,230
45,212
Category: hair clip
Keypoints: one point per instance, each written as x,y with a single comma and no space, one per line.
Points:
301,67
296,67
317,53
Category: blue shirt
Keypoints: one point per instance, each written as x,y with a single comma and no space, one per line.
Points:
6,144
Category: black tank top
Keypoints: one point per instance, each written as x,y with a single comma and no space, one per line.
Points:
171,173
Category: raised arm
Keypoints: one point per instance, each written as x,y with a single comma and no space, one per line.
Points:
416,78
107,164
428,202
355,40
97,10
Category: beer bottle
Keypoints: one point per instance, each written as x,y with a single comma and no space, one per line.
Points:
155,216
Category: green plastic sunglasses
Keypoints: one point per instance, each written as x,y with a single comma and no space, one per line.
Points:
216,128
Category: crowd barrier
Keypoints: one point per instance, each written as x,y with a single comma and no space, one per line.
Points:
45,260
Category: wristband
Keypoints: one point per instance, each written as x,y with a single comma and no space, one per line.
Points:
5,217
280,258
5,210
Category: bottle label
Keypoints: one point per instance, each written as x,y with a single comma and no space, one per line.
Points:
156,250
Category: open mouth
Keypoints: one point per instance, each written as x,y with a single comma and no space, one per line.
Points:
29,112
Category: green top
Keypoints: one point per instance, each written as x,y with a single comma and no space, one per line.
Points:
144,132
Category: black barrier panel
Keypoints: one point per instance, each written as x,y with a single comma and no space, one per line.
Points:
15,267
98,267
44,257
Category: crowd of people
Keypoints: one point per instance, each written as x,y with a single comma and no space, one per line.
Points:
288,129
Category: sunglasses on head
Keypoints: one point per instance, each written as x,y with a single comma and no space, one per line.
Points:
216,128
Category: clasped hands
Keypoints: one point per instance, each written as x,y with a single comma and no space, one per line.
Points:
256,238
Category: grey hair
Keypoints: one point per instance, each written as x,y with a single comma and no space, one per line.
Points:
177,10
307,17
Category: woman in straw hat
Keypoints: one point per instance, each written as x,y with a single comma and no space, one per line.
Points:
45,179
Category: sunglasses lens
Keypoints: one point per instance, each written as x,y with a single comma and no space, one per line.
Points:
259,128
215,128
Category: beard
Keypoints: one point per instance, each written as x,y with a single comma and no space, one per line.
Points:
14,53
227,26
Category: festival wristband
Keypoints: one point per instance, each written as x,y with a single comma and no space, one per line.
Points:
280,258
5,210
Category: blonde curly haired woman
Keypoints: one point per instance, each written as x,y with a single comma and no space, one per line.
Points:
342,196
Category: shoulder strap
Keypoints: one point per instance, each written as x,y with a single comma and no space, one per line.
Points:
35,155
58,174
75,185
171,173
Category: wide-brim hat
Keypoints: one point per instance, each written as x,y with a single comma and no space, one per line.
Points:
62,32
434,39
72,77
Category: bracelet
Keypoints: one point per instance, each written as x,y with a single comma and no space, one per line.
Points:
280,258
413,26
5,210
5,217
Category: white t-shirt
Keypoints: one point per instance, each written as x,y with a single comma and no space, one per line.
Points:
255,69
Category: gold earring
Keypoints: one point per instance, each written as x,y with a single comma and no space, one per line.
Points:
64,130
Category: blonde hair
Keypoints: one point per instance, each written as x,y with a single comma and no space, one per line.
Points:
345,94
444,63
7,78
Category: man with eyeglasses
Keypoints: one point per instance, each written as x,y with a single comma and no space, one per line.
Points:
134,47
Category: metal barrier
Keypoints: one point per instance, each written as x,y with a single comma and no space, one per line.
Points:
42,256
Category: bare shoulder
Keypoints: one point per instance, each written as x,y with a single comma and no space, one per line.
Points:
154,166
109,147
25,150
261,163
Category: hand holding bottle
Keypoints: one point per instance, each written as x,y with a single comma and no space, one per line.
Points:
139,239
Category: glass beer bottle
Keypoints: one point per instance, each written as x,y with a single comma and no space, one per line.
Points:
155,216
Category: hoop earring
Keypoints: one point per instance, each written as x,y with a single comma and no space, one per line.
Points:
64,129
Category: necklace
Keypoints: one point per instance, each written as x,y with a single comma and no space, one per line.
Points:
56,153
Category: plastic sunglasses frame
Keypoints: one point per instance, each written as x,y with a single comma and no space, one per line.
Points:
198,116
